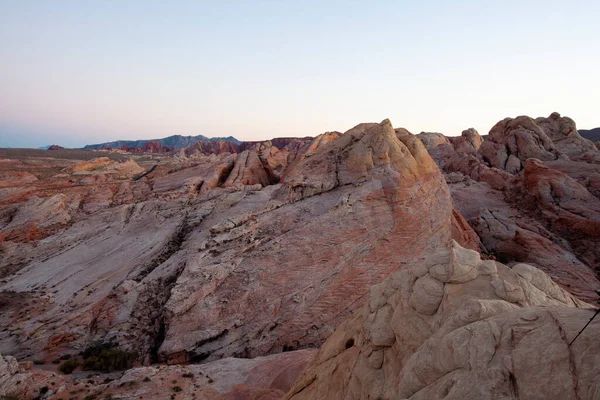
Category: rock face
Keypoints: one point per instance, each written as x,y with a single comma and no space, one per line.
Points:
261,283
198,257
227,251
458,327
531,193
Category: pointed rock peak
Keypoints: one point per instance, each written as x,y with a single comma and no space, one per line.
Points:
386,122
472,136
403,132
513,140
366,151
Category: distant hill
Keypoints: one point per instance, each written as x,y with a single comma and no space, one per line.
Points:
591,134
176,141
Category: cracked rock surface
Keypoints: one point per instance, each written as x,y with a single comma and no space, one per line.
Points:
458,327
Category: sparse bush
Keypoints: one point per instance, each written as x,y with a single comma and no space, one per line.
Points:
68,366
107,357
188,375
44,390
177,389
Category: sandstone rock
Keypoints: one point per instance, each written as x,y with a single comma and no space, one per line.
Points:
472,137
563,133
15,178
36,214
499,332
206,257
520,137
512,229
19,380
206,148
298,289
250,169
94,164
322,140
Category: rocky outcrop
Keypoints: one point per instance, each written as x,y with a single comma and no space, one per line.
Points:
250,168
19,380
206,148
527,209
563,133
513,140
261,283
456,327
196,258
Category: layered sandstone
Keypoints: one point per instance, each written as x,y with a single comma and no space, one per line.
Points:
531,193
458,327
195,258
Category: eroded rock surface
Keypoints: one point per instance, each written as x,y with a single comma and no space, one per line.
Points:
458,327
531,193
197,257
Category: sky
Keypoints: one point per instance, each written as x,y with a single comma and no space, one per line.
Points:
81,72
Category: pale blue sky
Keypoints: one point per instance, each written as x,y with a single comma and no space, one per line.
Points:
80,72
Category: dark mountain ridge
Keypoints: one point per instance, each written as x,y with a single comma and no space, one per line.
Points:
176,141
591,134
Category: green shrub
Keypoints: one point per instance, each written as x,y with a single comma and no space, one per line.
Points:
107,357
177,388
68,366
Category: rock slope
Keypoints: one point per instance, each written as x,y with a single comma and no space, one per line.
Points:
200,257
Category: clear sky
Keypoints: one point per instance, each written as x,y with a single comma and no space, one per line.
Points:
80,72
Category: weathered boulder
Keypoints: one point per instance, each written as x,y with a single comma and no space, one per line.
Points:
563,133
519,137
457,327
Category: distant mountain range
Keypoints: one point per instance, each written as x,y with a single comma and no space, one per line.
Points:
176,141
591,134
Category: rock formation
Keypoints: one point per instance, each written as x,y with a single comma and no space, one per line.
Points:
531,192
231,256
199,258
458,327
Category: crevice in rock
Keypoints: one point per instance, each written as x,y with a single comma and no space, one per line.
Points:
572,364
224,174
272,178
172,246
137,178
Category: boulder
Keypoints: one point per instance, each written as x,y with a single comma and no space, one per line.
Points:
459,327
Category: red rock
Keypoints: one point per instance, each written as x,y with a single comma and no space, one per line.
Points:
521,138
